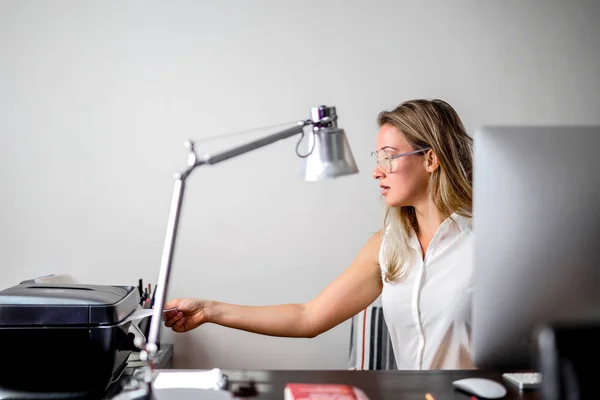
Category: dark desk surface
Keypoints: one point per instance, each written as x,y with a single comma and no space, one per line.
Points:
377,385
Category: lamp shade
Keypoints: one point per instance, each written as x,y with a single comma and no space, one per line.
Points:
331,156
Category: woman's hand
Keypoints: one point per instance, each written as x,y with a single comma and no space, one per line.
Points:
188,314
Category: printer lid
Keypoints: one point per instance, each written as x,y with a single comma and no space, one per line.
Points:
44,304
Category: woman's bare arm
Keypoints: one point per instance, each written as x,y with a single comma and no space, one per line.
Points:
357,287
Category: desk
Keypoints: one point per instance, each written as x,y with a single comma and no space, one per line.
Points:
378,385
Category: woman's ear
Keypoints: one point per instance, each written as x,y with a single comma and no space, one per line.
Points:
431,161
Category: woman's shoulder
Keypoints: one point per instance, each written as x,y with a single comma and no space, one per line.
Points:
376,239
372,247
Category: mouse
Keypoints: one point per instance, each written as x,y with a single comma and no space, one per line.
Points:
484,388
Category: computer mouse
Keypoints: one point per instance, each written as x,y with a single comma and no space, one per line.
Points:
484,388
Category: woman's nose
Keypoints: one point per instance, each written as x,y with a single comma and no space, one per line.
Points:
377,172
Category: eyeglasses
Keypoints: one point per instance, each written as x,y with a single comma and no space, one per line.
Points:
384,160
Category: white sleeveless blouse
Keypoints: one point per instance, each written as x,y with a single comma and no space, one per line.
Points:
428,313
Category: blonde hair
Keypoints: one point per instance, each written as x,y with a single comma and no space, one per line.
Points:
434,124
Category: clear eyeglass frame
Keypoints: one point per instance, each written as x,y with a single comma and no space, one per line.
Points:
384,159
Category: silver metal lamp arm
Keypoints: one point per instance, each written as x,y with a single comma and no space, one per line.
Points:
150,348
226,155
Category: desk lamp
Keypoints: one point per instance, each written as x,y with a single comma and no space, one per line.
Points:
329,156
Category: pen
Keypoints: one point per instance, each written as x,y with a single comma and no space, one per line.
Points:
153,295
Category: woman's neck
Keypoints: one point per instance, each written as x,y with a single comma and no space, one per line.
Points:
429,220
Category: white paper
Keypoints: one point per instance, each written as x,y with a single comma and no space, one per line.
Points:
138,314
190,394
211,379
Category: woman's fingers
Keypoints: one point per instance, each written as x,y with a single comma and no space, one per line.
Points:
178,326
170,314
171,321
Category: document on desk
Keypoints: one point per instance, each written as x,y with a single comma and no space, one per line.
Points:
191,394
190,385
205,379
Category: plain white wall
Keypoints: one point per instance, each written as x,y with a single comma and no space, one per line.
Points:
97,98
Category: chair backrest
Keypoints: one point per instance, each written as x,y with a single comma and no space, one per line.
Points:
370,343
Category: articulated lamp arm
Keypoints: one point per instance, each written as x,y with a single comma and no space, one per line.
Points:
329,157
175,212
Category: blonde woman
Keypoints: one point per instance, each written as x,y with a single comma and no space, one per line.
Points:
420,263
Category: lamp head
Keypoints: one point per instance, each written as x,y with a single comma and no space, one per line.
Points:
331,156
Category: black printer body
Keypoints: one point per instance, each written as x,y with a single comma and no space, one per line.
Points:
64,338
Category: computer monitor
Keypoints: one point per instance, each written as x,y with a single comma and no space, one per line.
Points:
536,216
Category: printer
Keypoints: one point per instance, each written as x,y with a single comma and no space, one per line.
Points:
64,338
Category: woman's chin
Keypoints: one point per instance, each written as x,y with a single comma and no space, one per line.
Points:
396,201
391,202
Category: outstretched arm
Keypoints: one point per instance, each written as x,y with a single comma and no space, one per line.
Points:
357,287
